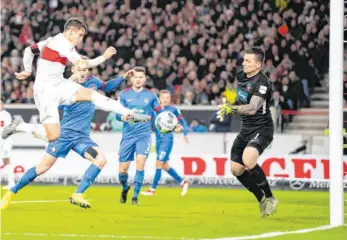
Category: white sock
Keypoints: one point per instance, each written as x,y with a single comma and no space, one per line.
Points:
36,130
10,175
108,105
7,171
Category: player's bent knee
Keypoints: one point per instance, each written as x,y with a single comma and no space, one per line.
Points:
166,166
250,156
237,169
159,164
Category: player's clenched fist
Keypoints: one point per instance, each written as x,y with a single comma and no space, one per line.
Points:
22,75
109,52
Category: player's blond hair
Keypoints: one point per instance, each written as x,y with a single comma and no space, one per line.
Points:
164,91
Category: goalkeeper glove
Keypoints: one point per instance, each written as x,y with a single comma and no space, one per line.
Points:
226,109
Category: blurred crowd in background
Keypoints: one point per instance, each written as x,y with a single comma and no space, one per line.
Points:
190,47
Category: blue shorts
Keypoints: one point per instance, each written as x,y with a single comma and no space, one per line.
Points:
131,146
61,147
163,149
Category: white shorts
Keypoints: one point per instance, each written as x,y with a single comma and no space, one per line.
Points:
5,148
48,98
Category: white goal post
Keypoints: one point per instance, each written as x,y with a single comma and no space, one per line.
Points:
336,112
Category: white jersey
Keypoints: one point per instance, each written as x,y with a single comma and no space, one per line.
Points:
5,119
55,52
5,145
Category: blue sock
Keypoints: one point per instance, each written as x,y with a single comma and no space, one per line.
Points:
156,179
138,182
175,175
28,177
123,179
88,178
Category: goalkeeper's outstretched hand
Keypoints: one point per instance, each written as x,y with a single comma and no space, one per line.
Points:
225,109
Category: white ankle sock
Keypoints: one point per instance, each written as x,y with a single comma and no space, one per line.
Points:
36,130
108,105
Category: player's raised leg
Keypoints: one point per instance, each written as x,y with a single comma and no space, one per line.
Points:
46,163
18,125
98,160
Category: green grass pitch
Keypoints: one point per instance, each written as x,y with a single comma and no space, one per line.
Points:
202,213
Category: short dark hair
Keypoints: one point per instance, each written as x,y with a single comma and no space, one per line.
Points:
140,69
259,52
75,22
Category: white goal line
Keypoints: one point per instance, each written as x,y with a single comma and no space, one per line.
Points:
100,236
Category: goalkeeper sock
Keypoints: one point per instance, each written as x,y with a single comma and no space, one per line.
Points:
156,179
123,179
28,177
138,182
88,178
258,175
248,183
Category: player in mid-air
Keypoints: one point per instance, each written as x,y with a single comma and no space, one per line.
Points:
75,135
253,97
51,89
136,137
164,143
6,147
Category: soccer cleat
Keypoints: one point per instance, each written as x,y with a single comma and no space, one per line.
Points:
184,185
138,117
135,201
6,200
149,192
124,195
272,206
79,200
263,205
7,187
11,129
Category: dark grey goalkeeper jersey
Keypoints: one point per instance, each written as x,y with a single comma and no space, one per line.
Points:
258,85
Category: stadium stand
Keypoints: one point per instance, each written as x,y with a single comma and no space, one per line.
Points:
189,47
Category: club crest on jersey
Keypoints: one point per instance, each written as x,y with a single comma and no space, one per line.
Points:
249,86
146,100
262,89
52,149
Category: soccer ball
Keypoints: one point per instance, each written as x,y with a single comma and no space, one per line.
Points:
166,122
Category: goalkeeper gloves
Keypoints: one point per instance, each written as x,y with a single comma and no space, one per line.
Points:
225,109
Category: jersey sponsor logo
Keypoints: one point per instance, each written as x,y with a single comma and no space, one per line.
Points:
262,89
146,100
129,100
242,95
2,123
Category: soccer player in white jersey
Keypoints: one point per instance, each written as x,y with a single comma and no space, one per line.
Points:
51,89
6,147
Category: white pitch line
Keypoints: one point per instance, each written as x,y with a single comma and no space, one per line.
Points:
264,235
276,234
39,201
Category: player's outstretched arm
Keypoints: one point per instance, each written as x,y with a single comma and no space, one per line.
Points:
111,85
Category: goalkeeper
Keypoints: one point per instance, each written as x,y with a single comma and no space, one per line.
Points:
253,97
